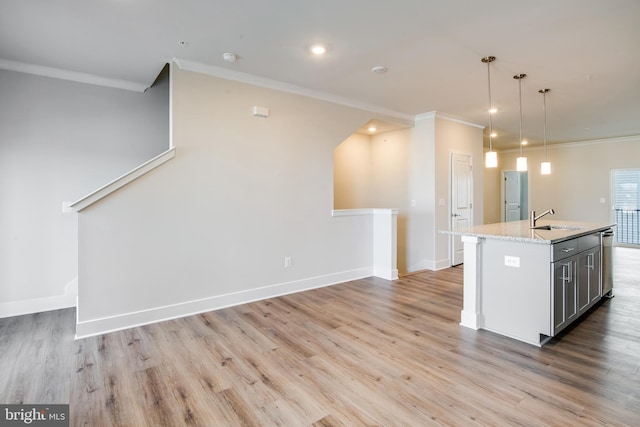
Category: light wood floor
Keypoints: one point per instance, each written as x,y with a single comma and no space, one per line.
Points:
367,352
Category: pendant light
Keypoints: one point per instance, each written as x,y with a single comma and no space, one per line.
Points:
545,167
491,157
521,162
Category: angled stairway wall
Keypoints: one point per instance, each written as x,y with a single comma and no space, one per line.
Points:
213,226
60,140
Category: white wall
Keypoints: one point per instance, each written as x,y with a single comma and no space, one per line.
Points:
212,227
411,165
372,172
60,140
460,138
433,140
580,177
390,158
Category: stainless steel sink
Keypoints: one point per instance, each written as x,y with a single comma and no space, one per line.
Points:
557,227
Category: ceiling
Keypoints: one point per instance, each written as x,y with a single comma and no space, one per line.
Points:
586,51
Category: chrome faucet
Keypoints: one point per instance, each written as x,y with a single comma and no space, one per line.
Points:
533,218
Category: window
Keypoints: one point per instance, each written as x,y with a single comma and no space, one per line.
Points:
626,195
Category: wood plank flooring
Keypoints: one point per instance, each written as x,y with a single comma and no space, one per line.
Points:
368,352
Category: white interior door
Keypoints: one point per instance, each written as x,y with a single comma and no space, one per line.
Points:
512,207
461,202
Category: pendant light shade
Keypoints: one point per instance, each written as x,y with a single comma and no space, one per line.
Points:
521,162
491,157
545,167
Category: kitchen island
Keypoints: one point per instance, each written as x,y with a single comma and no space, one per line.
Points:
530,284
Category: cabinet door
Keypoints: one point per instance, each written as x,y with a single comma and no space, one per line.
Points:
558,285
565,293
571,290
595,284
588,278
585,261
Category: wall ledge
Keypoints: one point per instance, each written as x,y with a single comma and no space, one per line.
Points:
120,182
367,211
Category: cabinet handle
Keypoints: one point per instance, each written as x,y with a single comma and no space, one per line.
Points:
567,250
569,276
566,272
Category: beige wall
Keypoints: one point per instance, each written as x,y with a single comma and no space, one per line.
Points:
372,171
212,226
453,137
410,170
352,173
580,177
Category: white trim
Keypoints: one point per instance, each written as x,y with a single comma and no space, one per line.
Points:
471,315
441,264
385,273
238,76
171,73
38,305
368,211
443,116
429,264
130,320
120,182
633,138
74,76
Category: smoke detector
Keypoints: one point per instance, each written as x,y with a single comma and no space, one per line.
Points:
229,57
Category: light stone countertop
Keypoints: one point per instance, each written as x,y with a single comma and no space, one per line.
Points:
520,231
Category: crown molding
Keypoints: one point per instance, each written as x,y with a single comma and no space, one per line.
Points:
630,138
443,116
241,77
74,76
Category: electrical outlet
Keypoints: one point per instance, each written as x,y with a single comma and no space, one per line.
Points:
287,262
512,261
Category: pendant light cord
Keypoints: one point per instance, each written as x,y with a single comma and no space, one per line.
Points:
520,95
490,107
544,109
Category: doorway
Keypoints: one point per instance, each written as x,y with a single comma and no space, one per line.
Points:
461,202
515,196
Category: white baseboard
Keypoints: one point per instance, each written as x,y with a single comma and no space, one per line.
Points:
386,273
441,264
105,325
429,264
38,305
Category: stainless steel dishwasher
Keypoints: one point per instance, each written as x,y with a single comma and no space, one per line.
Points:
607,263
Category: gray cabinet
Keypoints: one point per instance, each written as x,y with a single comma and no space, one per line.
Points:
589,287
575,279
565,292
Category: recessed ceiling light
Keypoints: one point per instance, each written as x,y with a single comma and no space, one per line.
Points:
525,142
493,135
379,69
318,49
372,129
493,110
